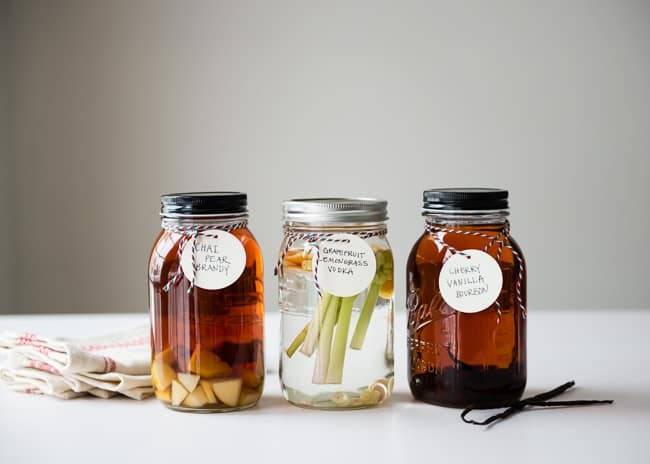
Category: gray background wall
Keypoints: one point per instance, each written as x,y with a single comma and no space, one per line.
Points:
117,102
7,243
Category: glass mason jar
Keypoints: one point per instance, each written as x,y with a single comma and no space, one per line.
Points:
336,298
206,304
466,300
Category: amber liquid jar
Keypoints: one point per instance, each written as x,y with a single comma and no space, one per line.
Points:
466,300
206,304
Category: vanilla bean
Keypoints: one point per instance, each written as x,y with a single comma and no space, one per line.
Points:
537,400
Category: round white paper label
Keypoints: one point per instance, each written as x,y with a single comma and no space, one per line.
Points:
219,260
345,268
470,282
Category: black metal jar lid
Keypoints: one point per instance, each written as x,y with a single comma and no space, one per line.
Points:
203,204
464,199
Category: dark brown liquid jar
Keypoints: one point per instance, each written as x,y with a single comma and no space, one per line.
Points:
466,300
206,304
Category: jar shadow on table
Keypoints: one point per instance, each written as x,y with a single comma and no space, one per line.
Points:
403,397
275,402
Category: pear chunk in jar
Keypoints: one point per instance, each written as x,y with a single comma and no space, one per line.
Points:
224,388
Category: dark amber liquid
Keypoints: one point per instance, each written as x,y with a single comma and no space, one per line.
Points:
457,359
227,322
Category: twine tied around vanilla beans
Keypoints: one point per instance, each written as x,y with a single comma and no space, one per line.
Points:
313,239
190,233
540,400
502,239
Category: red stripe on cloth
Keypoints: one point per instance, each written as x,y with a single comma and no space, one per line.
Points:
109,364
41,366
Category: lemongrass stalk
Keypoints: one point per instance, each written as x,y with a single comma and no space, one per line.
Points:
325,341
311,338
364,317
384,272
295,344
337,357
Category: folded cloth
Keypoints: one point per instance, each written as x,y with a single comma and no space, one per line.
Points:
104,366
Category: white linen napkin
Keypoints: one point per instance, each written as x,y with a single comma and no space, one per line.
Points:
118,363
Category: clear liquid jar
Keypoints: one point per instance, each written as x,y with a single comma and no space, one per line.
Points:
466,301
206,304
335,277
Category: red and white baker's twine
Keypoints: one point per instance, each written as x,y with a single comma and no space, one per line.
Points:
312,240
502,242
189,234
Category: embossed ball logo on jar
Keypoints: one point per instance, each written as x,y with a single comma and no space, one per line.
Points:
470,281
346,265
219,260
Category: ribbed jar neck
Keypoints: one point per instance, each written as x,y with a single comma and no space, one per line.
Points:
334,227
496,219
173,222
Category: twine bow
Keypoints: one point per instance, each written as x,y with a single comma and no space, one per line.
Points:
313,239
502,239
190,234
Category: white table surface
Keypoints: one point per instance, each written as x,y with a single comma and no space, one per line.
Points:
607,352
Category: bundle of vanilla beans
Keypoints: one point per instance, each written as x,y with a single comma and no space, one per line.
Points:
541,400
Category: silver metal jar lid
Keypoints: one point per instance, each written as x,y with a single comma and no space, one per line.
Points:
334,210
